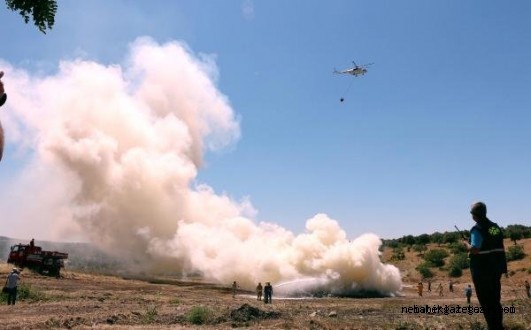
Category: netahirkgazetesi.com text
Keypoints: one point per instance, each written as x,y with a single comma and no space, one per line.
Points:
450,309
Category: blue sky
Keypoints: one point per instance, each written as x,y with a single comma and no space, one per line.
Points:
441,119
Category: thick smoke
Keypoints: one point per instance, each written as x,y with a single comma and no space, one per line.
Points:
117,150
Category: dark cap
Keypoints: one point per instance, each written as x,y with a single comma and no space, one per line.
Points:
479,208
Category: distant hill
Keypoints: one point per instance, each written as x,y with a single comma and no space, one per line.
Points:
419,262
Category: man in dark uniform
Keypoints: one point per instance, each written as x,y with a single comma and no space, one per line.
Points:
268,293
487,264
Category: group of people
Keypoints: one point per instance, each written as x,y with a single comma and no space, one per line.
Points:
266,290
440,290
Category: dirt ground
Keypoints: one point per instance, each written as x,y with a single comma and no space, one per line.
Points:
80,300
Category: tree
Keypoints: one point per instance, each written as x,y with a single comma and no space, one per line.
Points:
515,235
423,239
518,230
515,232
420,248
392,243
408,240
451,237
437,238
42,11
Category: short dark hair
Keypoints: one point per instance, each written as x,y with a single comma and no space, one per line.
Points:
479,208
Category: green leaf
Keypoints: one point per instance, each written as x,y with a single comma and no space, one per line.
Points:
41,11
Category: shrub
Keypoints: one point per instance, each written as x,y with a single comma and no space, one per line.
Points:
476,325
424,270
398,254
199,315
515,252
404,325
435,257
175,301
455,271
457,248
460,260
150,314
451,237
27,292
419,248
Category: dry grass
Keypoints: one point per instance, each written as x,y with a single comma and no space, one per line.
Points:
80,300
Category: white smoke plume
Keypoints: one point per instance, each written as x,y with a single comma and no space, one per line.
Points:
117,149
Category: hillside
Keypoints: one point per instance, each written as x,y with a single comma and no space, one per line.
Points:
518,269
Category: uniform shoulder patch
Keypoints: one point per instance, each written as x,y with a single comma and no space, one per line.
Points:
494,231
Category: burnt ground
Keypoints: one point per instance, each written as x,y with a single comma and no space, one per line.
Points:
80,301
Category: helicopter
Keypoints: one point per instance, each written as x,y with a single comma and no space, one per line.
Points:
357,70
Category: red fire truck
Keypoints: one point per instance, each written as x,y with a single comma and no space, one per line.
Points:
34,257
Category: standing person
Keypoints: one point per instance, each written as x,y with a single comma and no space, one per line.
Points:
440,289
11,285
451,286
3,98
259,291
429,285
468,294
234,289
420,287
527,289
268,293
487,264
